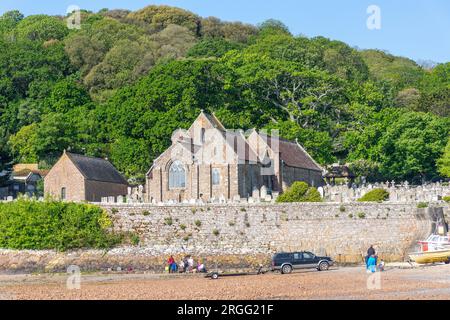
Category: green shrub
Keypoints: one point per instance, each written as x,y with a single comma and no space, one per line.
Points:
183,227
135,240
422,205
446,199
146,213
198,223
376,195
28,224
342,209
168,221
361,215
216,232
300,192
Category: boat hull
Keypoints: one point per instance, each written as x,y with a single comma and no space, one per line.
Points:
431,257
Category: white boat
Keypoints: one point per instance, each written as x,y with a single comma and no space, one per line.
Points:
433,250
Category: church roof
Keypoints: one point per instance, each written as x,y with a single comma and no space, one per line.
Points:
96,169
293,154
214,121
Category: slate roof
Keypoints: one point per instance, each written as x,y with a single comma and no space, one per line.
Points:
96,169
294,155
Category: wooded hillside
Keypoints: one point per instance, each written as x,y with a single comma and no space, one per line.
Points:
120,86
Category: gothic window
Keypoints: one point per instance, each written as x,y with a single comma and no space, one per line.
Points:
177,176
63,193
203,135
215,177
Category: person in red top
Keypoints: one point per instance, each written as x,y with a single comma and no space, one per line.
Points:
171,263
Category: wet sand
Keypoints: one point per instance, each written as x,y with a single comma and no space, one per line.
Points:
431,282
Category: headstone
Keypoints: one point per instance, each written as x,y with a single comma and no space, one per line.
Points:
222,199
321,191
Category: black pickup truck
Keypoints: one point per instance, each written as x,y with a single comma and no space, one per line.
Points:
287,262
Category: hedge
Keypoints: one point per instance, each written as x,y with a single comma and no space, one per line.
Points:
35,225
300,192
376,195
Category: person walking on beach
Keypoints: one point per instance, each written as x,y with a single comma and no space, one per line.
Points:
370,252
372,264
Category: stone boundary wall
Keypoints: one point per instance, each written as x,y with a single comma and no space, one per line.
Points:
397,193
341,231
244,236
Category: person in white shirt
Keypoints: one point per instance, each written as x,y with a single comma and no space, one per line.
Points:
190,264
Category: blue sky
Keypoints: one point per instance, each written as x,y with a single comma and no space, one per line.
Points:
418,29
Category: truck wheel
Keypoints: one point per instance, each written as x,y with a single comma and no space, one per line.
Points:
287,269
323,266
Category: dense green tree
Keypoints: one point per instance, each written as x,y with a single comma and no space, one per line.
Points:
87,48
273,26
213,47
412,145
41,28
66,95
157,18
400,72
9,21
444,161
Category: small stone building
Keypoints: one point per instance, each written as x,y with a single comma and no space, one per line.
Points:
210,163
79,178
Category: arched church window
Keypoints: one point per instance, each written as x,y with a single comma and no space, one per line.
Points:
215,177
177,176
203,135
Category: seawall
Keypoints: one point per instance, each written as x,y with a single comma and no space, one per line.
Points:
237,236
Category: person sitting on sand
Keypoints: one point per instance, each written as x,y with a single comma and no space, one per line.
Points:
381,266
201,267
190,262
182,266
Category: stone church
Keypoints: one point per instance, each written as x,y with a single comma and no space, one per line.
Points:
207,162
